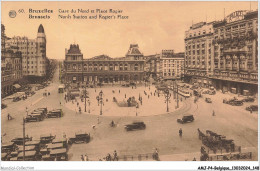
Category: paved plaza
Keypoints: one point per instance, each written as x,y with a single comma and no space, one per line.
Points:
161,127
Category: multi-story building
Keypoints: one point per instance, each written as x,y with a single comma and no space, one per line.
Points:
11,66
236,53
103,69
34,60
171,65
199,54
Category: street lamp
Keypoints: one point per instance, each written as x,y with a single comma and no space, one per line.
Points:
85,96
23,139
137,106
26,111
100,100
88,106
167,98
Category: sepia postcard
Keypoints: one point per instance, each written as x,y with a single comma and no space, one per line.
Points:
121,85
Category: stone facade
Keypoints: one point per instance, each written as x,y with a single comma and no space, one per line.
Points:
103,69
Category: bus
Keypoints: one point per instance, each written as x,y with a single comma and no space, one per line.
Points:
61,88
184,93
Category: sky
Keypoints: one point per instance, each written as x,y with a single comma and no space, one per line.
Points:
152,25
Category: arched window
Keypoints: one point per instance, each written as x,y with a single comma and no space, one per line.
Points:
90,67
121,67
126,67
116,67
111,67
74,67
136,67
100,67
95,67
106,67
85,66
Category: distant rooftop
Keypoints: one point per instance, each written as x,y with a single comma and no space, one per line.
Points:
74,49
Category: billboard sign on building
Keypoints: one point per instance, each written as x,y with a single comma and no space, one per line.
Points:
235,16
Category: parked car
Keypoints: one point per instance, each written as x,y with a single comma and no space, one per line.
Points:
16,99
59,154
19,141
37,117
45,139
208,100
125,85
3,106
29,156
248,99
135,126
186,119
252,108
236,103
80,138
56,113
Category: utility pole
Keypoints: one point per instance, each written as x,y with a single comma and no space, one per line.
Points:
23,139
177,95
167,98
85,96
101,101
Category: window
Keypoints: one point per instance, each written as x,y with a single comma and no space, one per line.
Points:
74,67
136,67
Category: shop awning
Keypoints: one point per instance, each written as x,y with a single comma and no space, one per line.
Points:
17,86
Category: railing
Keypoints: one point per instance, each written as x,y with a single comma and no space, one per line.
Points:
139,157
234,156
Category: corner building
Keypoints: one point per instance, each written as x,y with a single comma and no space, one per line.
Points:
236,53
199,54
103,69
34,60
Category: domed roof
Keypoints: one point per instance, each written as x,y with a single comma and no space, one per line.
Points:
40,29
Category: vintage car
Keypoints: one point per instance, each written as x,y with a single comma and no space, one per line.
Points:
3,106
13,154
19,141
64,141
7,147
56,113
252,108
34,117
35,143
186,119
29,156
4,156
248,99
44,110
125,85
80,138
135,126
54,146
16,99
26,148
59,154
212,92
236,102
208,100
46,139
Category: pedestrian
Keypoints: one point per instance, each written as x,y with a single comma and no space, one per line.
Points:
115,156
119,91
213,113
194,159
82,158
180,132
125,95
148,96
85,157
8,116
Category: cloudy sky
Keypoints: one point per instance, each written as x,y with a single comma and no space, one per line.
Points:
152,25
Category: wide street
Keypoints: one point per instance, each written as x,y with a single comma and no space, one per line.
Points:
161,127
